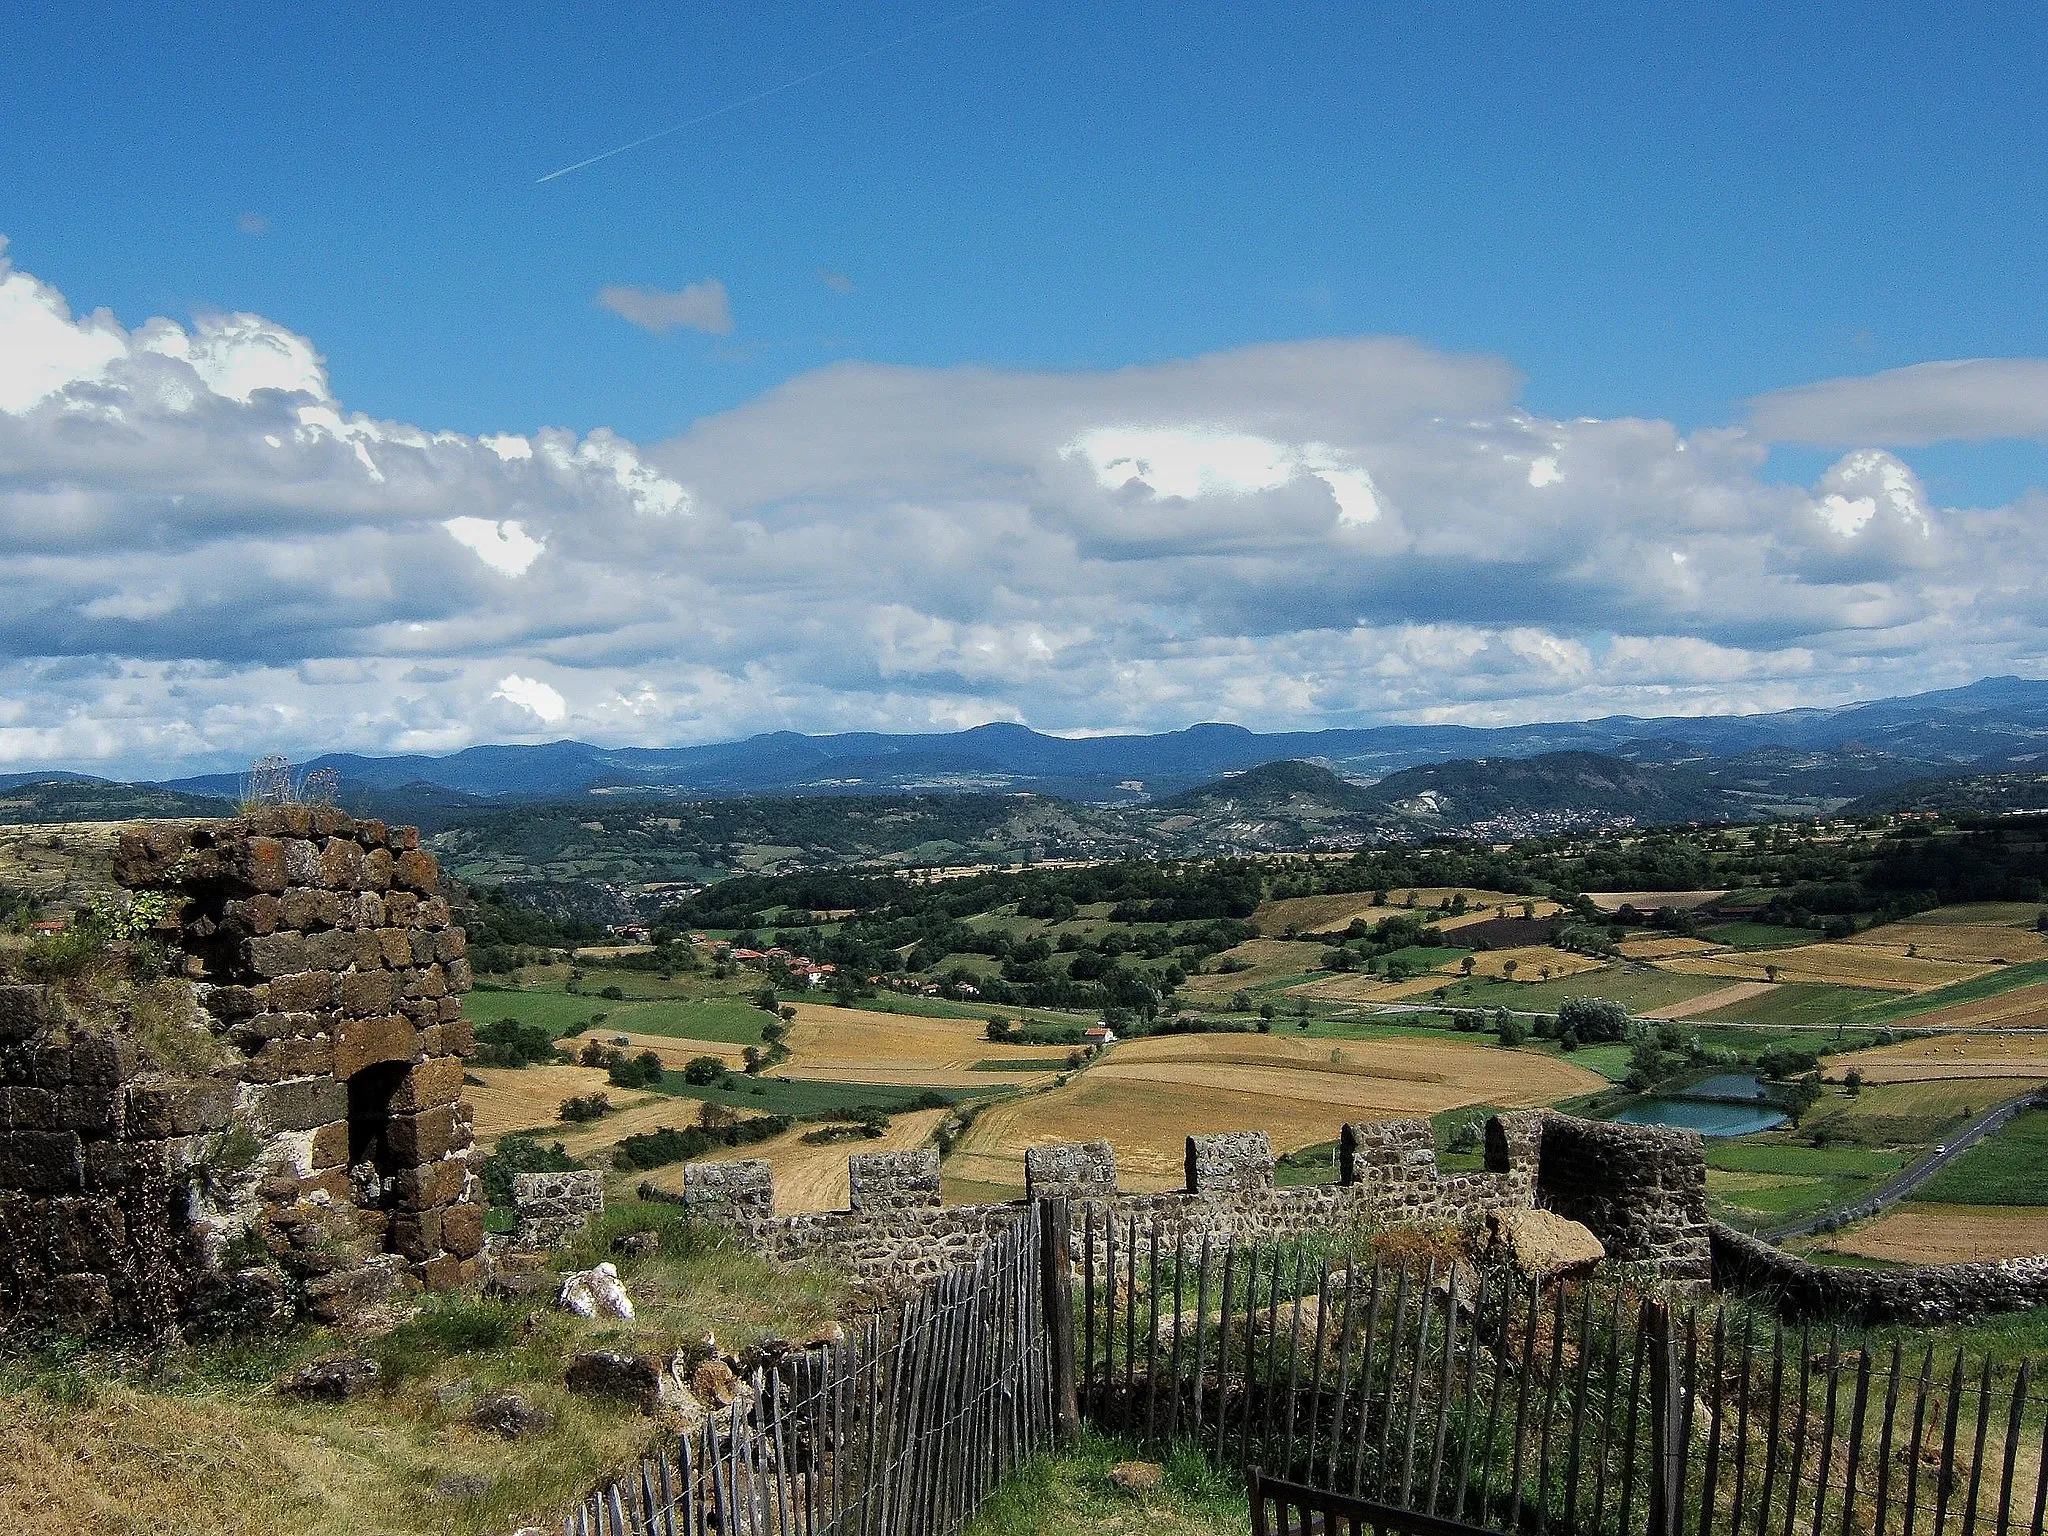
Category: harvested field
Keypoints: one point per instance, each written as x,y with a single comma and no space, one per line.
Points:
1357,987
1948,1234
1964,943
852,1045
1531,961
813,1178
527,1098
1317,914
2008,914
1650,901
60,865
1707,1002
2021,1008
1149,1095
1663,947
1851,965
1950,1056
1933,1099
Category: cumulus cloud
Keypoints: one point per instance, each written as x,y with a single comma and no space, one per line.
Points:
204,555
696,306
1972,400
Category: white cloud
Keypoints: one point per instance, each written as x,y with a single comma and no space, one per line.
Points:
502,546
253,224
697,306
838,282
1974,400
205,555
533,696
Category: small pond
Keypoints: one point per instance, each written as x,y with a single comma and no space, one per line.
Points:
1730,1104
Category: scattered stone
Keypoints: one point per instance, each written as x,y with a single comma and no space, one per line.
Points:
1137,1476
510,1415
595,1293
825,1336
608,1373
715,1382
335,1380
462,1486
636,1245
767,1353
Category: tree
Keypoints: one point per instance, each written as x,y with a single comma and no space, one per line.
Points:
1509,967
702,1071
1593,1019
1771,974
1852,1080
787,1013
1465,965
751,1057
765,999
1509,1030
998,1028
713,1116
1800,1096
1241,1002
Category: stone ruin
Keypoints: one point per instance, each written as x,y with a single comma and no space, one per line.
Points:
1639,1190
300,1141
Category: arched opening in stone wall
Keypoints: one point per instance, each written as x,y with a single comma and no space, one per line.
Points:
370,1150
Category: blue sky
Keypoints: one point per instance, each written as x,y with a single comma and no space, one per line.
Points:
1640,213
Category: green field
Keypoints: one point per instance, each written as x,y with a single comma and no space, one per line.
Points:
1796,1002
1757,935
1635,989
1761,1180
2006,979
776,1096
725,1019
2008,1167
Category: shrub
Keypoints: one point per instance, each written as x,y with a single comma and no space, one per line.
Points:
1593,1019
519,1152
655,1148
613,994
585,1107
703,1071
1510,1030
509,1043
642,1071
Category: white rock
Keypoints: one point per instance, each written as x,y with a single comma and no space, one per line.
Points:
595,1293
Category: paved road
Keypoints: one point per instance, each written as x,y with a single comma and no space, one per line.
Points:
1907,1180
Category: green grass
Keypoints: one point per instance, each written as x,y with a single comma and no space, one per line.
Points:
1065,1494
1637,990
1742,1154
727,1019
2008,978
2008,1167
1796,1002
1757,935
1818,1178
772,1096
1610,1061
557,1012
1018,1066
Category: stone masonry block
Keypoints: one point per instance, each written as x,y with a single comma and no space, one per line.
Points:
301,1105
359,1042
434,1184
41,1162
1080,1170
23,1011
422,1137
1231,1160
156,1110
303,992
416,871
893,1181
727,1190
367,992
433,1082
342,865
462,1230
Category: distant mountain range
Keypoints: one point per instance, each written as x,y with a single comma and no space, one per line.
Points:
1970,748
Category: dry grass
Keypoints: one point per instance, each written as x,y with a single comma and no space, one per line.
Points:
1849,965
62,865
1933,1099
1650,901
813,1178
1954,1056
1707,1002
1962,943
1150,1094
1357,987
674,1052
2021,1008
527,1098
1530,960
1949,1234
1663,947
853,1045
1331,914
1265,960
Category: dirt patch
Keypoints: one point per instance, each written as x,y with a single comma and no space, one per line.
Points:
1949,1234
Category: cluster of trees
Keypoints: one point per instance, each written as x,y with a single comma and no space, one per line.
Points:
716,1126
510,1043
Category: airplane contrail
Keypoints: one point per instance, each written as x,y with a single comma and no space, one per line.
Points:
773,90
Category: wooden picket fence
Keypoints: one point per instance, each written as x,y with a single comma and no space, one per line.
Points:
904,1427
1584,1406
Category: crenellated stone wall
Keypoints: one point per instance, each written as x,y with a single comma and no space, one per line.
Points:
300,1139
898,1233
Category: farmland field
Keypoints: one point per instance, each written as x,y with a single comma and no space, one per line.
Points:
2011,996
1650,901
1790,1002
1926,1233
1530,961
1265,960
726,1019
1964,943
852,1045
1663,946
1150,1094
1956,1056
1854,965
809,1177
1636,987
2008,1167
527,1099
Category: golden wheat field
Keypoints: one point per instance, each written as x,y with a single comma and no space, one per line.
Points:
1963,943
1331,914
1953,1056
2021,1008
1650,901
1707,1002
813,1178
1150,1094
1663,947
1357,987
1849,965
528,1098
1264,959
855,1045
1949,1234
